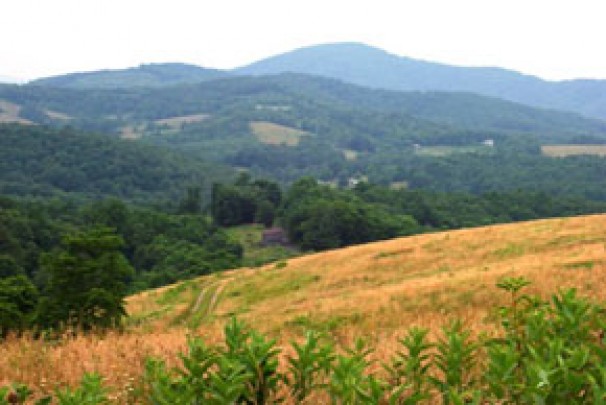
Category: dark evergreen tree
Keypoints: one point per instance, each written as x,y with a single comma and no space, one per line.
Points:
18,299
87,280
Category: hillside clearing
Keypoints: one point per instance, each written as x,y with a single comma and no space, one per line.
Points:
442,151
275,134
9,113
573,150
176,122
377,290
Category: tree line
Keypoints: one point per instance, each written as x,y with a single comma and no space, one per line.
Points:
65,263
319,216
68,262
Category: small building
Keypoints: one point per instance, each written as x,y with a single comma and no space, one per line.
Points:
488,142
274,236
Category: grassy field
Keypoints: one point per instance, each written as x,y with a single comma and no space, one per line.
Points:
572,150
441,151
350,155
274,134
131,132
377,290
9,112
174,123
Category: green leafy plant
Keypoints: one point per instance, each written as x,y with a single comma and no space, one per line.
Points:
311,362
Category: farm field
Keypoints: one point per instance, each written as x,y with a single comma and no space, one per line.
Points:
176,122
377,290
573,150
275,134
9,112
441,151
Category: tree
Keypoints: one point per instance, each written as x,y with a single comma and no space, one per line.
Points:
265,213
192,203
18,300
87,280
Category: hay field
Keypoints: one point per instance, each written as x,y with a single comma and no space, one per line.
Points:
9,113
573,150
275,134
377,290
176,122
443,151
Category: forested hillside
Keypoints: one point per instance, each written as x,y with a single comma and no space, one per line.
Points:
149,75
288,126
366,66
44,162
117,107
372,67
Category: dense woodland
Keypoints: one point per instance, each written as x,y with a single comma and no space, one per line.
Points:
45,162
112,249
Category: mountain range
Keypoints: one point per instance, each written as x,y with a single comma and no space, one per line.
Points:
371,67
146,75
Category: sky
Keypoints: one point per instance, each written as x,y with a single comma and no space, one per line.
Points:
551,39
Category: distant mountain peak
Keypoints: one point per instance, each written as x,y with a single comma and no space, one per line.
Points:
372,67
144,75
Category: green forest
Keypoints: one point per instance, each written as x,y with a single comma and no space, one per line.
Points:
120,246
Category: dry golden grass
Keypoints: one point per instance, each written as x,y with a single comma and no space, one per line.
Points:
377,290
274,134
176,122
58,115
350,155
131,132
572,150
9,113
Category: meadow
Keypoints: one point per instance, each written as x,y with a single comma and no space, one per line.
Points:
573,150
377,291
443,150
275,134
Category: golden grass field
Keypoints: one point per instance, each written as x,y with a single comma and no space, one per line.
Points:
572,150
275,134
176,122
377,290
131,132
57,115
350,155
9,112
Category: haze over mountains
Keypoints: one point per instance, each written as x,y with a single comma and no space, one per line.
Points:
371,67
282,125
8,79
146,75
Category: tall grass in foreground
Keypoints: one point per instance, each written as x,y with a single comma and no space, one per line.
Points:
548,352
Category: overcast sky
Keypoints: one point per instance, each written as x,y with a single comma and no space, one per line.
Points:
553,39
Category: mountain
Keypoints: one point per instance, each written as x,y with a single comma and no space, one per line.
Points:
117,107
148,75
43,162
373,67
292,125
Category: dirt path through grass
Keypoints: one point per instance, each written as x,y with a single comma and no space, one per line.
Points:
206,302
